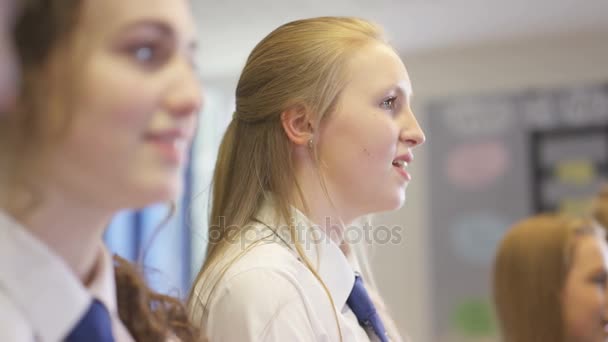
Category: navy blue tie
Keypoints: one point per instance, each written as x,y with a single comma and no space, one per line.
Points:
362,306
94,326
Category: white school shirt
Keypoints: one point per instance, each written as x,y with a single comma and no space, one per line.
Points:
40,298
268,294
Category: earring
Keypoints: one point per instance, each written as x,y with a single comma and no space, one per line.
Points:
310,144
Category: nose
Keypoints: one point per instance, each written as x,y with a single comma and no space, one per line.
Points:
411,133
185,95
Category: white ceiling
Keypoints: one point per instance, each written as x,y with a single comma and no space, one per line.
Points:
229,29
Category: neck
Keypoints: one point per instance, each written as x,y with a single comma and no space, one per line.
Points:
327,214
70,227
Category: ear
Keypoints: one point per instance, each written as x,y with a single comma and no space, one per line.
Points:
297,124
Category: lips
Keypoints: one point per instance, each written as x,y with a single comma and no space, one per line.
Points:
171,143
401,163
169,134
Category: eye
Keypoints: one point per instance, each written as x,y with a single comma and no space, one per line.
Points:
144,53
600,279
149,54
389,103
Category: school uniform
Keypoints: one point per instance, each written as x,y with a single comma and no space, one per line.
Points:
42,300
268,294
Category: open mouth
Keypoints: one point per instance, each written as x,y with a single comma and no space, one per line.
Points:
402,164
172,146
401,167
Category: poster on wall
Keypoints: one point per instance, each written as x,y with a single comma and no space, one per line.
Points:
495,159
568,165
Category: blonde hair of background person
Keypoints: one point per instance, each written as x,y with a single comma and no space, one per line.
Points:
106,111
550,280
8,61
322,130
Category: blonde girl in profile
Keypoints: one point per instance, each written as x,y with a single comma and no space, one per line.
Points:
322,136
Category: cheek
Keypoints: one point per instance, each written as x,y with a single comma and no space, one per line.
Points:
359,151
110,120
119,90
376,146
368,137
583,308
117,100
117,112
111,127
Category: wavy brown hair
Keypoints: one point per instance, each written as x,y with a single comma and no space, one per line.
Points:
43,34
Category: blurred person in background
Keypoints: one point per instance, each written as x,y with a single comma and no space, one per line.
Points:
550,280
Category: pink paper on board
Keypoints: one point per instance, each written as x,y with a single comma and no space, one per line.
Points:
475,166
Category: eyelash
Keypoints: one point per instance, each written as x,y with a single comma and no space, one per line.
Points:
389,103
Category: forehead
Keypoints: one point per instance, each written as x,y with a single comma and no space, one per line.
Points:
377,66
590,252
110,16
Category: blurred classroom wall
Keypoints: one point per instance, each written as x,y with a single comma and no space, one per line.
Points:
403,271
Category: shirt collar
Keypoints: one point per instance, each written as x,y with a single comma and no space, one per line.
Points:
324,254
103,284
43,287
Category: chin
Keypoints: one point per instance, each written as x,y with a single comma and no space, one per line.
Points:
154,194
398,198
167,193
398,203
392,203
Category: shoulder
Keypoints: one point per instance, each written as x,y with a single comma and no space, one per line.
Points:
261,304
269,255
266,269
13,325
265,291
270,265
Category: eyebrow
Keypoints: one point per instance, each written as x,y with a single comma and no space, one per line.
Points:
405,88
162,28
155,24
402,88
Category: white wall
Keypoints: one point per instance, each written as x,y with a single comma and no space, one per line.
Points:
403,270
